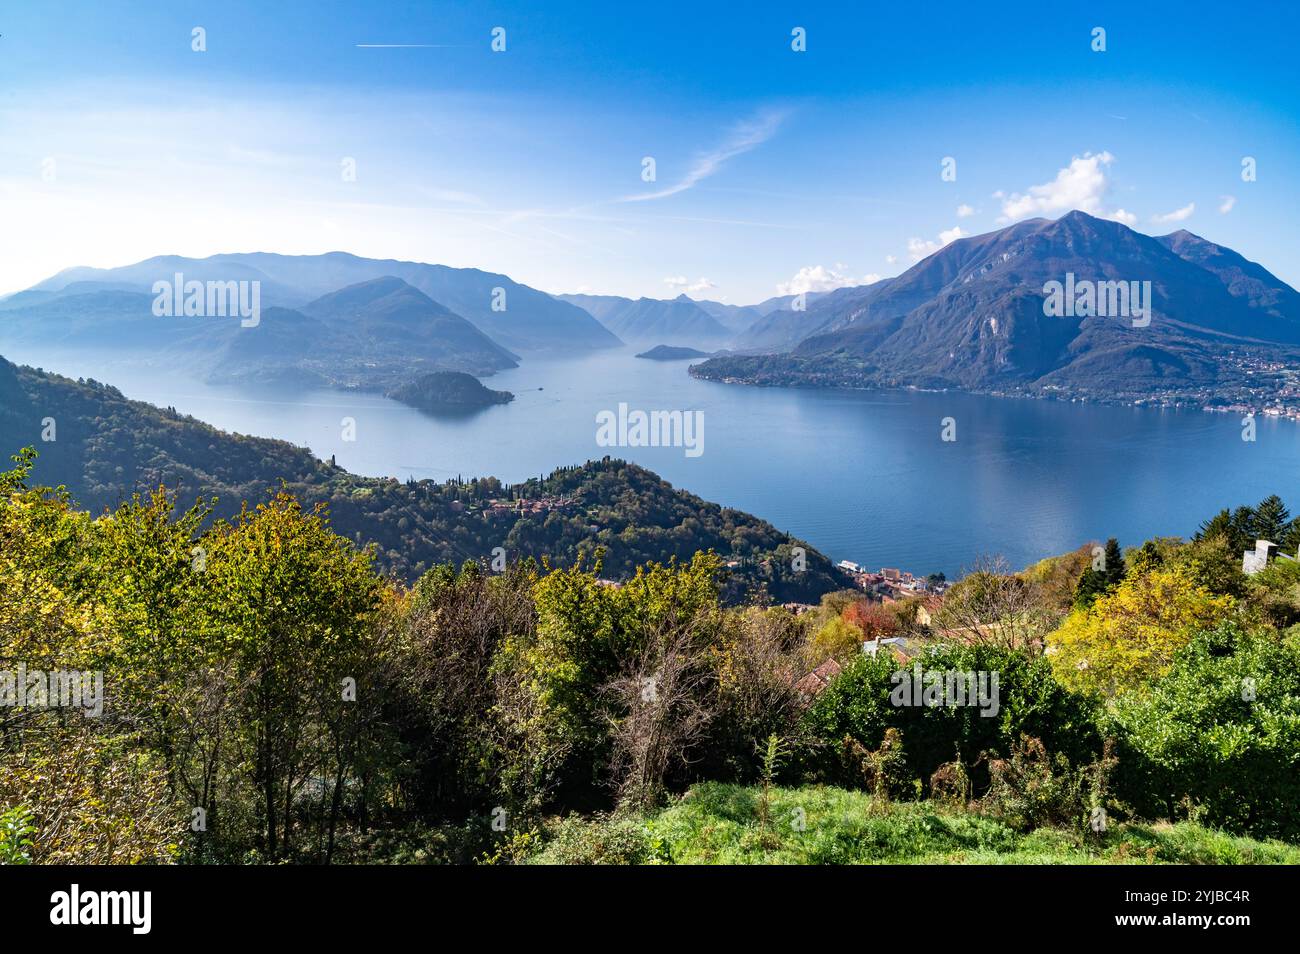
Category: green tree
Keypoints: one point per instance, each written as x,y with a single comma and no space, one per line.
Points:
1115,568
1234,528
1290,540
1270,519
558,689
91,793
1129,637
293,611
1148,558
149,590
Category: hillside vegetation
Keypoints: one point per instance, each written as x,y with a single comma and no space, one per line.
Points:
108,448
252,690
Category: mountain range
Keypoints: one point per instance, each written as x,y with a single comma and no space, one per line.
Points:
682,320
511,314
972,316
371,335
654,321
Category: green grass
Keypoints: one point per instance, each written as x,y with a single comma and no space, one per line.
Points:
720,824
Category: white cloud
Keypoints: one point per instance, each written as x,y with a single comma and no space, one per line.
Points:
1226,202
1178,215
1121,216
964,211
1083,185
683,284
920,248
743,137
891,259
819,278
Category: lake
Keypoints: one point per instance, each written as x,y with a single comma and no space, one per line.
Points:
863,476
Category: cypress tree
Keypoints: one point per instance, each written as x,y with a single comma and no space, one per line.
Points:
1115,569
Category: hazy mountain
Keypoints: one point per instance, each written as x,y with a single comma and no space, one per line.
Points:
386,319
600,307
648,319
511,314
286,347
783,302
373,335
603,307
740,318
971,316
96,319
735,318
645,320
743,321
781,327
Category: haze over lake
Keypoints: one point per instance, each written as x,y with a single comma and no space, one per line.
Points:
863,476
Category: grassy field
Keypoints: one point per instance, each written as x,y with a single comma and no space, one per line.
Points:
722,824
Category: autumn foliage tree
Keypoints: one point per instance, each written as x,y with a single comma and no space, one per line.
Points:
1130,636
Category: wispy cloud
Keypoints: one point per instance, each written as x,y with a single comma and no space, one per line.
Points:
683,284
1178,215
1226,202
741,139
920,248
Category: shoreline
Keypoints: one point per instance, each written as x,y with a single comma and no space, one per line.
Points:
1282,411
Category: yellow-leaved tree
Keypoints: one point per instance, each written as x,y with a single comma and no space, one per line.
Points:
1129,637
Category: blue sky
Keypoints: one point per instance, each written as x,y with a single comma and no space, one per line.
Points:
775,170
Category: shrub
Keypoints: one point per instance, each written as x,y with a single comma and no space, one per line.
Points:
601,840
1275,593
1033,789
1219,734
858,704
837,639
1130,636
884,772
16,831
950,783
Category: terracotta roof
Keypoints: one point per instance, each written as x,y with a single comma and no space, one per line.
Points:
819,678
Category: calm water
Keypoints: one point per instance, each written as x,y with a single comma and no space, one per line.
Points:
862,476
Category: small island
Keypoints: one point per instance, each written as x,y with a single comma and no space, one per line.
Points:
672,353
448,391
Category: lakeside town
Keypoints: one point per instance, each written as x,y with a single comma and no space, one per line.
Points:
1262,385
891,584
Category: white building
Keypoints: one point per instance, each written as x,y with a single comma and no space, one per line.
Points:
1252,561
